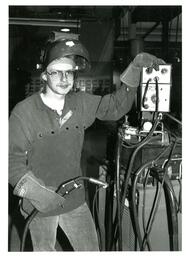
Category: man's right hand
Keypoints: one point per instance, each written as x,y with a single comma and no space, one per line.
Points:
41,197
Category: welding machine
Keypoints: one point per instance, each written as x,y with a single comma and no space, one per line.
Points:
147,183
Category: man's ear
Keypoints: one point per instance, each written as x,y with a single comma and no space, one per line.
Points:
44,76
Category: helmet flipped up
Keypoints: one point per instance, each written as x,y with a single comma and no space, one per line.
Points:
70,48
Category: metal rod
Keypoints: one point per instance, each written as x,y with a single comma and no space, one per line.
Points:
45,22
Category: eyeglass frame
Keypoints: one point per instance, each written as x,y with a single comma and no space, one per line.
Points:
62,72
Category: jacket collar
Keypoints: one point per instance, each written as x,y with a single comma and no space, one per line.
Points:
70,102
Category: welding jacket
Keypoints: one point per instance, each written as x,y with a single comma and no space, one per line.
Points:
50,145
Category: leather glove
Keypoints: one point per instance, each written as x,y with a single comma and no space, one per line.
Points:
41,197
131,75
147,60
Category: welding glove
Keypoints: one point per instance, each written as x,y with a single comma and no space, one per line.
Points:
131,75
41,197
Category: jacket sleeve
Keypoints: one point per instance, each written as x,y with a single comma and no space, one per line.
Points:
18,144
114,106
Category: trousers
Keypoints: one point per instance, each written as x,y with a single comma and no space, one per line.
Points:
78,225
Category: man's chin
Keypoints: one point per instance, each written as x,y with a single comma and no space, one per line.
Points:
63,90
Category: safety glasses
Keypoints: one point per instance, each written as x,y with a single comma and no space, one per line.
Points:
57,74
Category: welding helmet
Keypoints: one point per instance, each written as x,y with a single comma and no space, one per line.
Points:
69,48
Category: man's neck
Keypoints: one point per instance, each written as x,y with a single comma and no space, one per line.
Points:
55,102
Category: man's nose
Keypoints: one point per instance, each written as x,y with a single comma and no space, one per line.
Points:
63,76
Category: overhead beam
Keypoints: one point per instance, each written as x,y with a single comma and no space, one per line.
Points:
150,30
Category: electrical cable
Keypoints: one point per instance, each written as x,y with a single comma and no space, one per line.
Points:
96,218
144,198
134,185
140,145
156,202
134,208
129,171
143,206
28,221
115,229
172,214
145,92
120,202
138,230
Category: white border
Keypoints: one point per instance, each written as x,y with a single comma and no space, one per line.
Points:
4,110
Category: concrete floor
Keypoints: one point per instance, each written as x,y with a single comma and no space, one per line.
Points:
94,152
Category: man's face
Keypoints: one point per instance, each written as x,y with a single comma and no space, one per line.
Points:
60,76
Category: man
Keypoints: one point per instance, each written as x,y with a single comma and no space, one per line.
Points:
46,137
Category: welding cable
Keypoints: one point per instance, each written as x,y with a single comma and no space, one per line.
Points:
134,187
177,201
170,155
117,224
96,218
115,230
172,214
157,200
144,197
131,163
152,215
145,92
35,211
134,207
120,203
127,177
143,206
155,204
26,227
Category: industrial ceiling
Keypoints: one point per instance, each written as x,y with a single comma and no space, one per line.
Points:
72,16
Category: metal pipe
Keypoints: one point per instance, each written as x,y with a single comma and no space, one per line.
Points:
45,22
118,194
